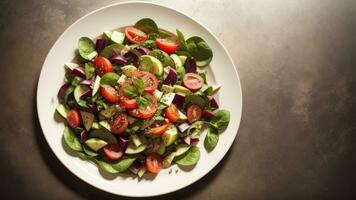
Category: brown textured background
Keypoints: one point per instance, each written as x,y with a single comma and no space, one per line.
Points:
296,61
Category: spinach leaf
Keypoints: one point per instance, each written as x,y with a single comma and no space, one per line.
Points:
86,48
89,70
71,139
110,50
104,135
182,42
194,99
123,164
147,25
109,78
191,157
196,128
130,91
221,120
162,56
211,139
89,152
199,49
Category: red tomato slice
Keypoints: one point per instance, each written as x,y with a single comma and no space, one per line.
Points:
193,81
126,101
149,80
134,112
119,125
109,93
102,66
113,151
194,113
159,129
167,45
172,113
135,35
153,163
73,118
150,110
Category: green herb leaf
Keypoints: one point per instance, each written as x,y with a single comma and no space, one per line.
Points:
89,70
86,48
147,25
182,42
143,100
109,78
130,91
71,139
221,120
191,157
211,139
140,86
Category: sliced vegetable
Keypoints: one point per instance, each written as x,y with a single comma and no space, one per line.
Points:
78,71
62,91
119,125
95,143
71,140
100,44
129,70
86,48
181,149
143,50
84,135
170,135
88,119
193,81
153,163
134,35
133,149
162,56
158,130
179,99
183,127
113,151
167,45
181,89
167,89
151,64
109,93
117,37
96,85
102,66
168,160
172,113
207,115
191,157
73,118
62,110
214,102
194,113
118,59
172,76
191,66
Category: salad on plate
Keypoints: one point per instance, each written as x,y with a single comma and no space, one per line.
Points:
137,100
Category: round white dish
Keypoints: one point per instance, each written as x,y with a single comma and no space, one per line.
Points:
221,71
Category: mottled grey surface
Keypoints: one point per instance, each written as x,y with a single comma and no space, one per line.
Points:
296,61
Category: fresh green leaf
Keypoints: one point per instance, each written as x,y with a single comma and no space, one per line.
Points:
148,44
196,128
68,92
199,49
86,48
143,101
88,151
221,120
110,50
147,25
194,99
162,56
182,42
71,139
191,157
104,135
109,78
89,70
123,164
211,139
107,167
140,86
130,91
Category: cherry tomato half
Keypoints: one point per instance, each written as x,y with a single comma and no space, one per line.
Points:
167,45
73,118
135,35
193,81
150,110
126,101
109,93
194,113
159,129
153,163
102,66
119,125
149,80
113,151
172,113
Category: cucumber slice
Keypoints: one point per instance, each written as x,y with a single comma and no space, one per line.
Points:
79,91
216,88
182,89
87,119
95,125
95,143
96,85
107,35
161,149
62,110
151,64
122,79
71,66
129,70
117,37
104,135
170,135
181,116
135,140
162,56
194,99
105,124
204,63
133,149
181,149
183,59
167,89
167,99
176,60
141,172
167,161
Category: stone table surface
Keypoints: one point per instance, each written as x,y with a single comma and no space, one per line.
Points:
297,64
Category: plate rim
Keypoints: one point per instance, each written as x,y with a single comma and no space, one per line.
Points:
239,116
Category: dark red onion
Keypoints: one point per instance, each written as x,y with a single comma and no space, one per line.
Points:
191,66
132,57
84,136
100,44
78,71
135,167
118,59
143,50
62,91
172,76
87,93
208,115
213,102
123,143
183,127
194,139
93,108
179,99
86,82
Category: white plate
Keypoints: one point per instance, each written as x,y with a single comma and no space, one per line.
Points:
92,25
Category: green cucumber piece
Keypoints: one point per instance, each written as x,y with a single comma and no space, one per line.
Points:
104,135
167,89
95,143
162,56
176,60
181,116
191,157
183,59
128,70
107,35
141,172
135,140
181,149
167,161
79,91
215,89
62,110
182,89
96,85
105,124
151,64
117,37
95,125
88,151
133,149
170,135
161,149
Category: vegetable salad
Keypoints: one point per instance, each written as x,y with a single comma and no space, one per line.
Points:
137,100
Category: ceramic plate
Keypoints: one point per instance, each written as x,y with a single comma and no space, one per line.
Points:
221,71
